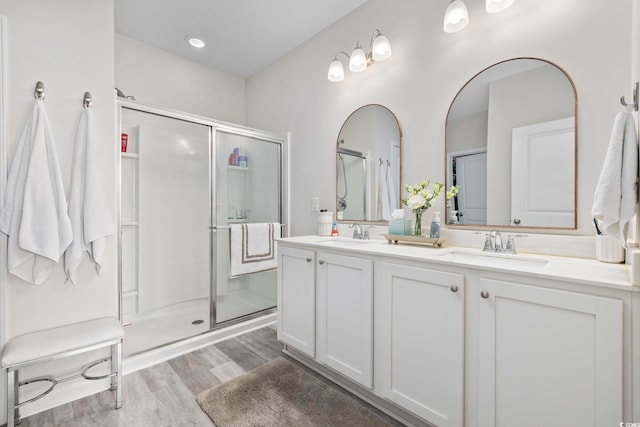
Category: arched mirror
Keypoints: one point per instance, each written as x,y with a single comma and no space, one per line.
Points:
368,165
511,147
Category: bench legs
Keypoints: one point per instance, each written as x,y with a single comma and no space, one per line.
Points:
116,367
13,383
13,412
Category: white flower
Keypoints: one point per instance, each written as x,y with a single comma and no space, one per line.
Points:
416,201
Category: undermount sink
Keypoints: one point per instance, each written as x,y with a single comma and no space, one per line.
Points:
344,241
494,259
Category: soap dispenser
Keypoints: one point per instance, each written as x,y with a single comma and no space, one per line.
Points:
435,226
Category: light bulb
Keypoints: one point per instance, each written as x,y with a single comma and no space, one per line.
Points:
336,71
456,17
358,60
195,42
494,6
381,48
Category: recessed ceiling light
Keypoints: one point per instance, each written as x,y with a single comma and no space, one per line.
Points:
194,41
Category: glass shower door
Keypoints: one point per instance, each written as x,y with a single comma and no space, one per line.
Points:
165,219
248,194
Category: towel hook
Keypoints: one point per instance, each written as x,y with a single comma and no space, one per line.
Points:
39,92
87,100
635,97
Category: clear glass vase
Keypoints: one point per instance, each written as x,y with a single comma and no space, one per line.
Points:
417,228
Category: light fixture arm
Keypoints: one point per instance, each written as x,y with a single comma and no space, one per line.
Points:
342,52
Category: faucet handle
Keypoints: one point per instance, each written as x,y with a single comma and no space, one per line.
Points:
366,232
357,230
488,246
511,245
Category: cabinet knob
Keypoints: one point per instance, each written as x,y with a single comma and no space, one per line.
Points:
454,288
321,262
484,294
308,259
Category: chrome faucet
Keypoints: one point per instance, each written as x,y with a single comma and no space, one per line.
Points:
493,242
357,231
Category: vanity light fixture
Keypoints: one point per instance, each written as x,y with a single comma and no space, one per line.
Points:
456,17
495,6
359,60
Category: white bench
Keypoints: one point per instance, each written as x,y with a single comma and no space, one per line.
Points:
43,346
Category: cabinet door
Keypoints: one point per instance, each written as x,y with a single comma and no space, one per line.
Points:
345,316
548,357
420,341
296,299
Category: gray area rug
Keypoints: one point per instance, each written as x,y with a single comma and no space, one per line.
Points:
281,393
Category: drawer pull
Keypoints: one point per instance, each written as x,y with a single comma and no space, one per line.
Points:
308,259
454,288
321,262
484,294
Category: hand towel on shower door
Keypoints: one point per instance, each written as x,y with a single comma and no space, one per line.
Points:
90,216
253,248
34,215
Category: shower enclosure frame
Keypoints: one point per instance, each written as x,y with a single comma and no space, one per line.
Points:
214,127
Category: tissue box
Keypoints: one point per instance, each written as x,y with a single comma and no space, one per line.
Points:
400,227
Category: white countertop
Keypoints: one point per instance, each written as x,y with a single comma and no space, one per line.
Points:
567,269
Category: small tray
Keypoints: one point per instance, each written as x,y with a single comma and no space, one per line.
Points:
415,240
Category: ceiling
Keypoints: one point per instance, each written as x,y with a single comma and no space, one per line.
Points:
242,36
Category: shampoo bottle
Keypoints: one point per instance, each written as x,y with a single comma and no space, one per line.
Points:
435,226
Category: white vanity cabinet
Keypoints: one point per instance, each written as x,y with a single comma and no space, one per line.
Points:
546,356
344,315
325,305
434,340
420,340
297,298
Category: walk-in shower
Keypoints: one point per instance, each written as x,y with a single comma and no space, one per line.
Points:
352,173
182,190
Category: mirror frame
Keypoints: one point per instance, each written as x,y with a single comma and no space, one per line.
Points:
575,153
368,221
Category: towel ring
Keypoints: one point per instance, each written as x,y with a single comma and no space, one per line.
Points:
39,92
87,100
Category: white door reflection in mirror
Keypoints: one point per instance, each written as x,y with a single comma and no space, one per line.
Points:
542,190
470,173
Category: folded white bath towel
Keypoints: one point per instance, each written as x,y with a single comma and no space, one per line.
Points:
34,215
615,198
89,212
253,247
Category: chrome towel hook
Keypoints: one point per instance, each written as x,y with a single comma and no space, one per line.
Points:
635,97
87,100
39,92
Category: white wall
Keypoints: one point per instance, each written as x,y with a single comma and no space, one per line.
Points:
161,78
68,45
590,40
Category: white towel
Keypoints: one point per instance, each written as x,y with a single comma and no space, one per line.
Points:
384,209
34,215
89,212
615,198
391,189
253,247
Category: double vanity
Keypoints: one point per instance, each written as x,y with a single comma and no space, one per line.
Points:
459,337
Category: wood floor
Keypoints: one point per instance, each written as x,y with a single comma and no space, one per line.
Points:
164,394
